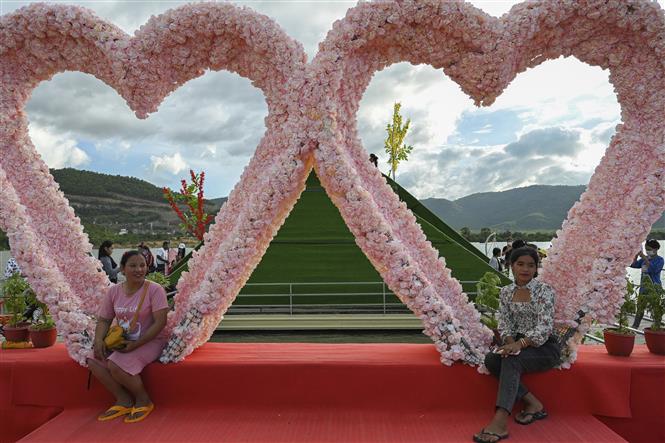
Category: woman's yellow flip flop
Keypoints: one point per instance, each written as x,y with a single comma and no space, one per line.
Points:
146,411
118,411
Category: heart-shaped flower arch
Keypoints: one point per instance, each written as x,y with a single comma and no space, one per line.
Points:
311,122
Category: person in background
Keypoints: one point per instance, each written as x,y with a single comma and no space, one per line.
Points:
651,265
182,251
542,254
173,253
12,267
504,255
163,258
373,159
108,264
526,325
519,243
147,254
495,261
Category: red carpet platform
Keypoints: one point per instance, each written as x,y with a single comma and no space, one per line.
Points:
330,393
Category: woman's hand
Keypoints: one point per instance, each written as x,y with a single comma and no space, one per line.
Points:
129,346
100,350
509,349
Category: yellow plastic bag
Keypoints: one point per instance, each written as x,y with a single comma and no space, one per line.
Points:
115,338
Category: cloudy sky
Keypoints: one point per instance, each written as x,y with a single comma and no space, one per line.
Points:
551,126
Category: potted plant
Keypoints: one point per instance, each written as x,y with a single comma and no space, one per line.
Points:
487,299
652,297
42,330
620,341
13,291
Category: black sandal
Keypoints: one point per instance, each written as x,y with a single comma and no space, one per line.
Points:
499,437
530,417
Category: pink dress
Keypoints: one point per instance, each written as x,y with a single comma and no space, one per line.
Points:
122,307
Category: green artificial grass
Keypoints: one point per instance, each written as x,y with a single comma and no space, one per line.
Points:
314,245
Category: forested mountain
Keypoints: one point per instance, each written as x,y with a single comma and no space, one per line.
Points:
530,208
77,182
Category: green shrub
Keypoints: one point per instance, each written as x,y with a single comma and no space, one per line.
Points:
14,291
488,289
627,307
652,297
159,278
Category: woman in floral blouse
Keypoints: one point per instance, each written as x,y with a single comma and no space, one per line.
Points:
526,324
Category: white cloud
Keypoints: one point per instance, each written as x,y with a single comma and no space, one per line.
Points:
168,163
56,149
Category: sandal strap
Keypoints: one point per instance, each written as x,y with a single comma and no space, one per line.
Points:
118,408
491,434
142,409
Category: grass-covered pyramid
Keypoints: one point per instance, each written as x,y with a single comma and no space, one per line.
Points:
315,246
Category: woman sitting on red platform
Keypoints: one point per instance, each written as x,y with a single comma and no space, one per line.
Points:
120,370
526,324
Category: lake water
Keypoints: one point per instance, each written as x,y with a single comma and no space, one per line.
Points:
633,274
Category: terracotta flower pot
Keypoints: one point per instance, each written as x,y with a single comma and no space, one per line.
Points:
618,344
16,333
43,338
655,341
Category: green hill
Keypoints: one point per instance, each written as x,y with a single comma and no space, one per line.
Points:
107,204
537,207
94,184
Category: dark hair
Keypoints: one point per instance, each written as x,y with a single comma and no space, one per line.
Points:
496,251
521,252
105,244
166,243
653,243
129,254
519,243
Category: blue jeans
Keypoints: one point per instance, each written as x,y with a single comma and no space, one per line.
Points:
509,370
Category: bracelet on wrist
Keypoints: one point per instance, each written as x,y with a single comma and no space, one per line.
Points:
523,343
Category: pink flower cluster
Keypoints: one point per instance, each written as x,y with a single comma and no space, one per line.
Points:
312,123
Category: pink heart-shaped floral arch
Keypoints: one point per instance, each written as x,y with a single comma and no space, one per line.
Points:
312,123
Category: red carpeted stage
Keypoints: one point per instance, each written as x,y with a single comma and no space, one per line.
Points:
330,393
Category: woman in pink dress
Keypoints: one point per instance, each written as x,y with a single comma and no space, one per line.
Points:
120,370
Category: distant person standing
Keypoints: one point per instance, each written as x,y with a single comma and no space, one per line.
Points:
373,159
108,264
147,254
651,265
182,251
173,254
163,258
519,243
495,261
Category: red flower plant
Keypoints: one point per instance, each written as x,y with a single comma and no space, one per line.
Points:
194,219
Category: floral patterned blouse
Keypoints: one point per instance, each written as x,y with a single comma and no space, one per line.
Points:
533,319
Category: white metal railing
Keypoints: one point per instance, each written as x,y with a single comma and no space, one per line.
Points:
293,293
